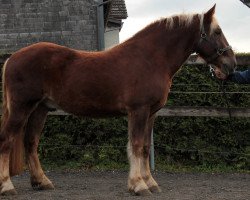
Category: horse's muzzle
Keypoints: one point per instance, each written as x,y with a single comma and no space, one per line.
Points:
229,67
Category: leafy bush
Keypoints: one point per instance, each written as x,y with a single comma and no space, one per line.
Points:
189,141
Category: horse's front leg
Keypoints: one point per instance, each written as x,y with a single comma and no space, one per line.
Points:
145,168
137,123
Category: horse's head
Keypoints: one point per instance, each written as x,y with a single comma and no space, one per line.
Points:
213,46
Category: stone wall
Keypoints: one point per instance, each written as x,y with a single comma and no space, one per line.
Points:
67,22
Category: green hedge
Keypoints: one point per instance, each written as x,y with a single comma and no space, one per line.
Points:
188,141
182,141
69,141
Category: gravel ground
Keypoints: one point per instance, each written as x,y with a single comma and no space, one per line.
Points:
100,185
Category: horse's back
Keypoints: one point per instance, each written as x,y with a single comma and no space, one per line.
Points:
77,81
40,53
83,83
27,70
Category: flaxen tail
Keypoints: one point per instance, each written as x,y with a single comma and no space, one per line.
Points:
17,152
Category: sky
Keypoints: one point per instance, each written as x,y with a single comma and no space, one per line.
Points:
233,17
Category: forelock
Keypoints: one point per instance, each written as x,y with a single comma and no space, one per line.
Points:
214,25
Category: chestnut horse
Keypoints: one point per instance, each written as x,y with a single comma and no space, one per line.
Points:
131,79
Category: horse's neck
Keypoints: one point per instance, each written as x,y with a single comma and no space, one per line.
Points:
180,44
168,49
180,52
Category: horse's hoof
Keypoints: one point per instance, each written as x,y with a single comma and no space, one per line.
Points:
43,187
9,192
143,193
155,189
47,187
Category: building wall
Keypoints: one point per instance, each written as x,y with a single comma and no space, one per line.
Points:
71,23
111,37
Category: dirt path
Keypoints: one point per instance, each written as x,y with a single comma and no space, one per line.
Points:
112,185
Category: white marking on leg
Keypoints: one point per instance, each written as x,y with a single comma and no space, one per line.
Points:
146,174
5,182
135,182
7,186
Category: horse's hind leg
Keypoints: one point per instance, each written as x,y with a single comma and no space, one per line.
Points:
137,125
11,144
32,135
6,186
145,168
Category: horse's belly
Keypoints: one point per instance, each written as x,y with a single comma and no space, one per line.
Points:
81,109
94,112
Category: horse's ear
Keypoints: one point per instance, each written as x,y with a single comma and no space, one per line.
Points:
209,14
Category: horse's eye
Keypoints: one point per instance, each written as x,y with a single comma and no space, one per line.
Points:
218,31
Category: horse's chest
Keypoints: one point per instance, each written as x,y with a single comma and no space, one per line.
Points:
163,92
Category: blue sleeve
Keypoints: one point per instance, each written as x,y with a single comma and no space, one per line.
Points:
241,77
